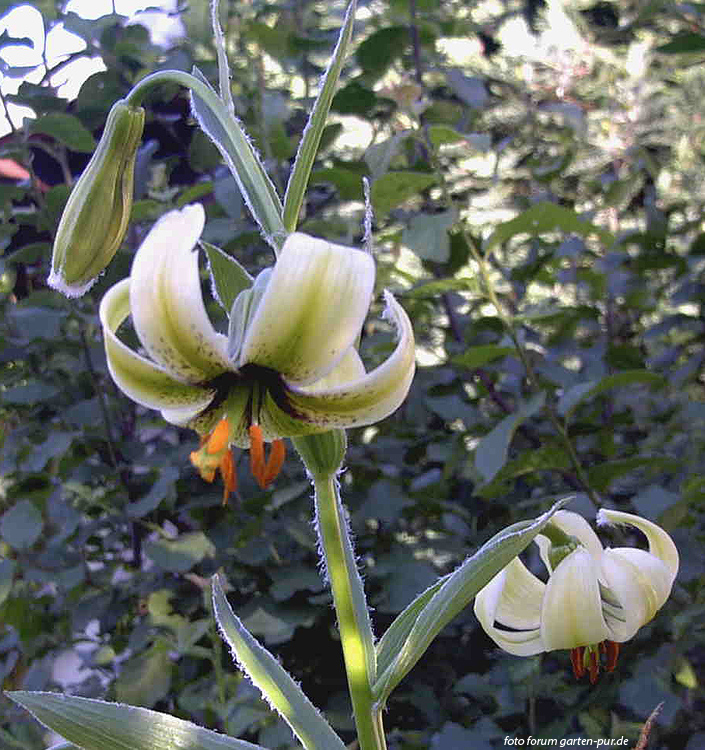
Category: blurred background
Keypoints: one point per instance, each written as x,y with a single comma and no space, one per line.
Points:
566,141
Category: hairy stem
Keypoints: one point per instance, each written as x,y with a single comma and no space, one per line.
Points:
345,583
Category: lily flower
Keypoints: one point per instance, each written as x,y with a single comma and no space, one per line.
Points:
289,365
594,600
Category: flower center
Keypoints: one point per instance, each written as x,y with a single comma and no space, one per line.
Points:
587,658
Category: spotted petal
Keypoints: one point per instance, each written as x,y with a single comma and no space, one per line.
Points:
142,380
370,397
312,311
166,302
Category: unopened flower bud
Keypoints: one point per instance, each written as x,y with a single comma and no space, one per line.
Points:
97,212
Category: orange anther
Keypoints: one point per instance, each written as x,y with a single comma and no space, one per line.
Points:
612,650
277,454
257,464
218,439
227,471
578,661
215,454
265,472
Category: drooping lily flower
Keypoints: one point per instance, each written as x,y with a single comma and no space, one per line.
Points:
594,600
288,367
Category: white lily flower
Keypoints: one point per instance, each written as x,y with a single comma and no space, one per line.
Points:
289,366
595,598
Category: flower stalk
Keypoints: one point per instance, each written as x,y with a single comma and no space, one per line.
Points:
319,455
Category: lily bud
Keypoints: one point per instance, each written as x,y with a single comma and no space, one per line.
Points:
97,212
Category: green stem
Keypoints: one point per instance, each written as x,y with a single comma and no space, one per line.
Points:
345,584
144,87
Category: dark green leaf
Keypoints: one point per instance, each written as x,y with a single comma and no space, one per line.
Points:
21,525
381,48
547,217
66,129
181,554
394,188
491,452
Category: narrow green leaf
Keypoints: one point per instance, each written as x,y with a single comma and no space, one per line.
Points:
491,451
227,133
305,156
414,629
96,725
228,277
584,391
547,217
277,687
223,67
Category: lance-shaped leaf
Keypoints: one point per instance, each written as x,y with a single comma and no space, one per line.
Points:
311,137
277,687
96,725
411,633
228,277
227,134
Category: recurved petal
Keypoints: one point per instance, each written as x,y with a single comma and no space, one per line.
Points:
519,607
660,543
640,582
142,380
487,602
312,310
348,370
369,398
166,302
572,608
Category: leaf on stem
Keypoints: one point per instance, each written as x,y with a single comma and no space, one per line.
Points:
228,277
228,135
311,138
97,725
491,452
414,629
275,684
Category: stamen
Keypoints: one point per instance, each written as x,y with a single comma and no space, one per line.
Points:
257,464
277,454
612,651
227,471
214,454
578,661
218,439
265,472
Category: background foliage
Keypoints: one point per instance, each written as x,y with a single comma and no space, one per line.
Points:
574,160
